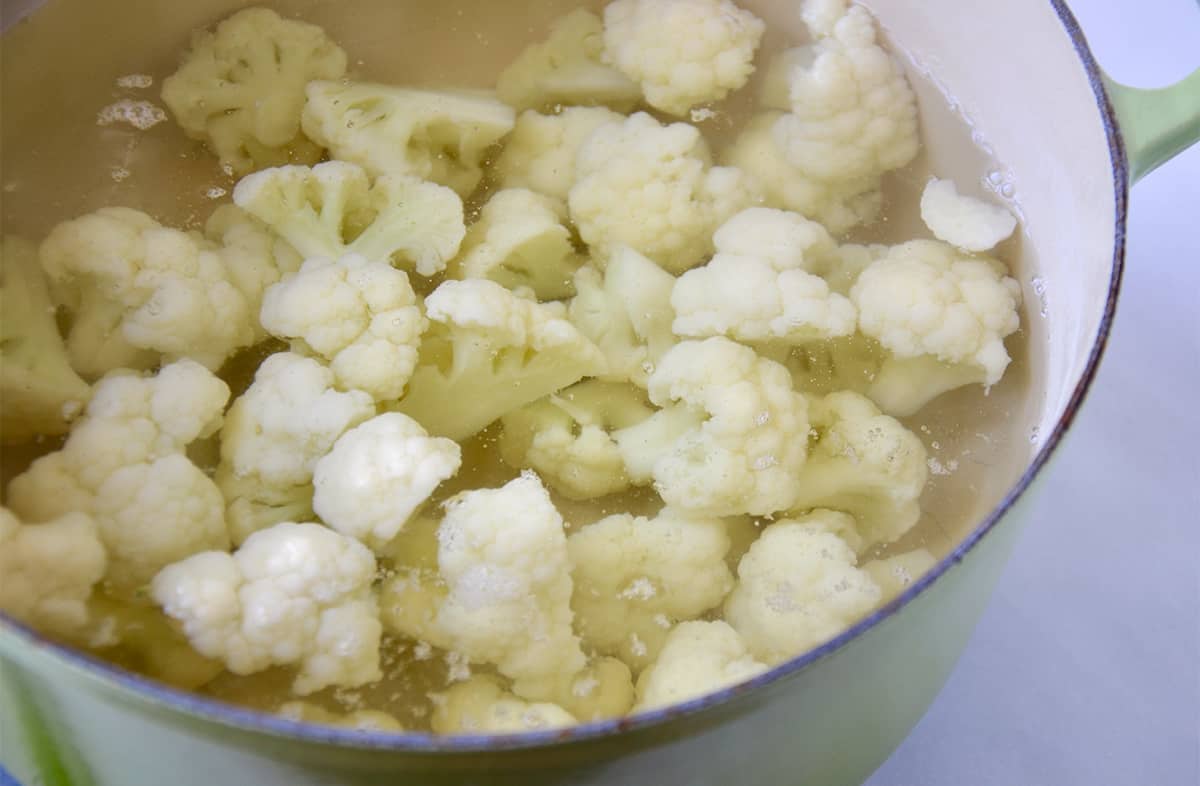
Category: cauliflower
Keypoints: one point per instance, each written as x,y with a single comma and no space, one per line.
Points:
241,89
124,466
48,570
361,316
502,592
894,574
864,463
566,69
697,658
839,205
942,315
294,594
520,240
136,289
682,52
626,311
42,394
759,287
481,706
358,720
540,153
567,438
443,136
735,431
378,474
852,113
636,577
140,637
273,436
797,587
485,338
968,223
604,689
331,210
651,187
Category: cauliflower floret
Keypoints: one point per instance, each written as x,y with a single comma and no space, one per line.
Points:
361,316
894,574
42,394
540,153
565,69
626,311
636,577
736,431
443,136
481,706
275,433
378,474
942,315
137,289
839,205
124,466
241,89
503,589
963,221
520,240
331,210
652,187
760,286
604,689
682,52
797,587
697,658
567,438
254,256
853,114
48,570
864,463
294,594
485,338
358,720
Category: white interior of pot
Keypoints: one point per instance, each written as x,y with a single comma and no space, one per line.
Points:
61,65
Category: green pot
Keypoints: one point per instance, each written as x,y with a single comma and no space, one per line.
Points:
828,717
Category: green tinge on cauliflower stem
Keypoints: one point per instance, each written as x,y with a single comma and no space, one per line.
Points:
42,394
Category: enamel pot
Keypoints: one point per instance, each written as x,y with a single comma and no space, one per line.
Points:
1070,142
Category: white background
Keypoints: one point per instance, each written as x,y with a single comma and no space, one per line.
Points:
1086,667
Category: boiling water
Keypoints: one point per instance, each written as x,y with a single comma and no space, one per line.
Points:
82,128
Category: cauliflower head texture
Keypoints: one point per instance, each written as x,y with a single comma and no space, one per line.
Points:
540,153
635,578
48,570
377,475
520,240
137,290
963,221
697,658
292,595
567,437
485,338
124,466
502,591
481,705
332,209
759,286
443,136
567,70
241,88
360,316
42,394
865,463
737,431
797,587
652,188
682,52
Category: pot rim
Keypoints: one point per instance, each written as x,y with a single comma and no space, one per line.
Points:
219,712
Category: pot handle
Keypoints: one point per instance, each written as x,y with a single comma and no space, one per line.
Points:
1158,124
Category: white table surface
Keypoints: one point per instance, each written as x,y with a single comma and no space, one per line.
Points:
1086,667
